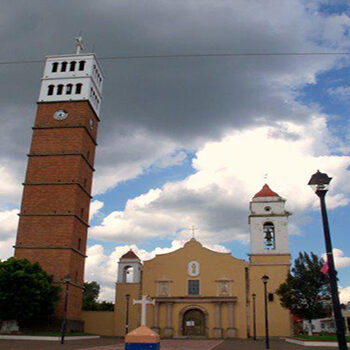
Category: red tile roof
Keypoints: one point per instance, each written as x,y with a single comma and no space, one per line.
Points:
266,192
130,255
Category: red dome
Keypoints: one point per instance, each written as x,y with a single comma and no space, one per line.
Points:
266,192
130,255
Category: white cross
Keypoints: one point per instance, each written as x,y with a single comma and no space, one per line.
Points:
146,300
79,44
193,229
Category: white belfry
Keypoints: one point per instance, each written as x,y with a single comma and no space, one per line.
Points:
144,302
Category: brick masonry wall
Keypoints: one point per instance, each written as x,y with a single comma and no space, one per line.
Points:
56,197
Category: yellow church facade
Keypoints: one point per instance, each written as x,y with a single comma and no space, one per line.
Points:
198,292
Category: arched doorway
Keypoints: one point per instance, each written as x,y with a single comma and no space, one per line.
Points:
193,323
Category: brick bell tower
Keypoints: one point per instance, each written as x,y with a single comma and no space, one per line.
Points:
54,214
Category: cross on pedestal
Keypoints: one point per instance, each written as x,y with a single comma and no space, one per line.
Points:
146,300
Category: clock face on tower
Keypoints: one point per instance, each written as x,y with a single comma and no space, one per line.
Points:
60,114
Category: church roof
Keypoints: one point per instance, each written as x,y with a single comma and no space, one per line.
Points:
130,255
266,192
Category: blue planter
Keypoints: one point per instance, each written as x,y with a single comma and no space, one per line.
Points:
142,346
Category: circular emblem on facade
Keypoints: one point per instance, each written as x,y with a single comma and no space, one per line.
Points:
91,123
60,114
193,268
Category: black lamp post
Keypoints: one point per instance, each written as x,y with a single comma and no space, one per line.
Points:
254,316
127,296
66,280
265,279
319,183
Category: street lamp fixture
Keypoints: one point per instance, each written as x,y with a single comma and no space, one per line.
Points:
127,296
254,316
67,281
319,182
265,279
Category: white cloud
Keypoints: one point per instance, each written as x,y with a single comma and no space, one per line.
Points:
10,184
340,92
8,229
95,208
6,248
103,268
340,259
344,294
228,173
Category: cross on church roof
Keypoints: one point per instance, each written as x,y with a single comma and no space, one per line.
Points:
193,229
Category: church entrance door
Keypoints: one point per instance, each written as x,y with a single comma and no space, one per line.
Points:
194,323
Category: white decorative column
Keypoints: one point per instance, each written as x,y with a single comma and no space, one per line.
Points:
155,327
231,330
169,330
218,329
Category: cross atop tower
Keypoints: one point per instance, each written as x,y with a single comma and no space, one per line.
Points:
193,229
79,44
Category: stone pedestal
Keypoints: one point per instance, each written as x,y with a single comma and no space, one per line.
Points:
142,338
231,333
217,332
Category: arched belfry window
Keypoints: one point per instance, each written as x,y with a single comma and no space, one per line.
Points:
54,67
69,88
63,66
72,66
81,65
50,89
78,88
59,89
269,235
128,274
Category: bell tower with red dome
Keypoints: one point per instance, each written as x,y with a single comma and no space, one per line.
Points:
269,256
54,216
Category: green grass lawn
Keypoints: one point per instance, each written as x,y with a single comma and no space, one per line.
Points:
320,337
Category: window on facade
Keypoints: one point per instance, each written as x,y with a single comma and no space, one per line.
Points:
54,67
69,89
81,212
63,66
163,289
76,276
78,88
81,65
128,274
50,89
79,243
193,287
269,236
72,66
224,288
59,89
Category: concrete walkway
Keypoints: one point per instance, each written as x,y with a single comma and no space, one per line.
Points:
117,344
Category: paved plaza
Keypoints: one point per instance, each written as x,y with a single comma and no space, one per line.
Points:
117,344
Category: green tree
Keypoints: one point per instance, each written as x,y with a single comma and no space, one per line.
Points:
90,296
26,291
306,292
105,306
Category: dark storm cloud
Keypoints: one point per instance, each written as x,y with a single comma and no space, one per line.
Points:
184,100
